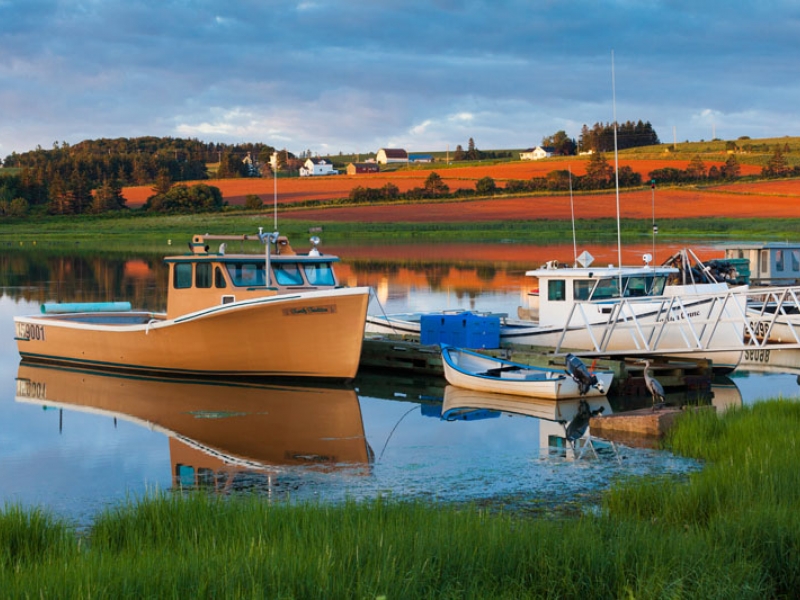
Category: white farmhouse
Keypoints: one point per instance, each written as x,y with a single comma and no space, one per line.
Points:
537,153
317,166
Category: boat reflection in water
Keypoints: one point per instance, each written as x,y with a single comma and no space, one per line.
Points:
222,434
563,424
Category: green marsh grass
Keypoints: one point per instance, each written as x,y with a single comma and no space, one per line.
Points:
148,233
731,530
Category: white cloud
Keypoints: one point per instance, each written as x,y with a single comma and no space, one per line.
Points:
349,75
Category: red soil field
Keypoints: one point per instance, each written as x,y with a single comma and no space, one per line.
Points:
673,203
787,187
760,199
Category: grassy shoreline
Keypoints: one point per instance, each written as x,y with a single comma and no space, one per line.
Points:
729,530
134,232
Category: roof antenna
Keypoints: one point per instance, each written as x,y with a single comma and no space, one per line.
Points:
572,210
616,168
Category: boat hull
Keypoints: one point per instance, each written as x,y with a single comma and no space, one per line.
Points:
473,371
310,334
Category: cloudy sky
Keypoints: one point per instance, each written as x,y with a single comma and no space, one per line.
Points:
354,76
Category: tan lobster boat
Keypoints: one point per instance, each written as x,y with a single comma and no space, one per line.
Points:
273,313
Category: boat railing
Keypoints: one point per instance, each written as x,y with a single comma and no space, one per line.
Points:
739,319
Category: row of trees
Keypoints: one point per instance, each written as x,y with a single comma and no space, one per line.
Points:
89,176
472,153
600,137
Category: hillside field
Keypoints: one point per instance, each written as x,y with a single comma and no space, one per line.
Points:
773,198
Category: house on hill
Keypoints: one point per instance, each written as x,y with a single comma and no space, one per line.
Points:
317,166
365,167
537,153
420,158
391,155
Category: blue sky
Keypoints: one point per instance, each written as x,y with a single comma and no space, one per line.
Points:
354,76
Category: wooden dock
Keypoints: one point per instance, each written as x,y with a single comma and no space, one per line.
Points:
404,354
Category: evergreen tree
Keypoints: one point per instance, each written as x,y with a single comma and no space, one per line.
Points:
731,168
696,170
435,187
598,172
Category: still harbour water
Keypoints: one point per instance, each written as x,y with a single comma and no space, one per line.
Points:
75,442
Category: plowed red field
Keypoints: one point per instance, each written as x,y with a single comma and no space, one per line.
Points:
760,199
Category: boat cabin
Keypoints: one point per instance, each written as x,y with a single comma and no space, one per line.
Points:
560,287
771,263
205,278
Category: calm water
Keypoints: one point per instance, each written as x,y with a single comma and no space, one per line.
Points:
75,442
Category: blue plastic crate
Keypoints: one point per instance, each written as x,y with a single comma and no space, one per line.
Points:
464,330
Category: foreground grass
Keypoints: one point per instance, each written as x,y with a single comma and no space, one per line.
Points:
731,530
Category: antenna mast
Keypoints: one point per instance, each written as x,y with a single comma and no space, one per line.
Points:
572,210
616,168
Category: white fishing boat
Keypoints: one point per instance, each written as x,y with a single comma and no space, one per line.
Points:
637,310
475,371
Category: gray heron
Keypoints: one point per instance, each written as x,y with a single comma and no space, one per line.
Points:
653,385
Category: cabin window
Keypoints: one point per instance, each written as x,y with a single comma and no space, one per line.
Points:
205,477
184,474
795,260
582,289
635,287
780,264
202,275
320,274
182,276
556,289
287,274
246,274
765,261
608,287
219,278
658,285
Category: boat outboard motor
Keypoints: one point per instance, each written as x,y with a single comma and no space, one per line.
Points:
580,422
580,373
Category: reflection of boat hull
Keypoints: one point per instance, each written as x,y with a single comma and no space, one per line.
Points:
249,425
761,359
457,400
487,374
310,334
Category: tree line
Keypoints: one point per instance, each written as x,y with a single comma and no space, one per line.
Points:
89,176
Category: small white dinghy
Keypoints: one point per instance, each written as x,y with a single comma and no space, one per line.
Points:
475,371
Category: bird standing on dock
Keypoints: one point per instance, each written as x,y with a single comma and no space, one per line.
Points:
653,386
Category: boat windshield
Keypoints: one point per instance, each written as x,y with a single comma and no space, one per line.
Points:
246,274
634,286
287,273
320,274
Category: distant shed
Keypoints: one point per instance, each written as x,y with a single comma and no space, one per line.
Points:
359,168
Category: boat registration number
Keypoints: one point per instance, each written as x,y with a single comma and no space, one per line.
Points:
31,332
31,389
756,356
